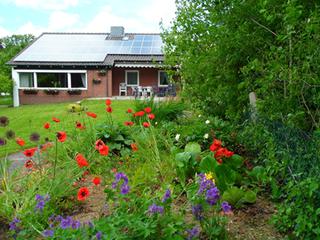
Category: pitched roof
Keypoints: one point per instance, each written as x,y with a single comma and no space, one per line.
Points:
90,49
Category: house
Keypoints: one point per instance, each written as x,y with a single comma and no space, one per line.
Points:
59,67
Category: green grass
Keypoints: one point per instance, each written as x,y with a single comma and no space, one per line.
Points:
27,119
7,100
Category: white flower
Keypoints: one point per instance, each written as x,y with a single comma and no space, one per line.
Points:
199,115
207,122
206,136
177,137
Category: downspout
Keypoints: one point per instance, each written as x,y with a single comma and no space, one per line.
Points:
15,78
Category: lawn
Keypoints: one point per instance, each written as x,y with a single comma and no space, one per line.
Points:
5,100
28,119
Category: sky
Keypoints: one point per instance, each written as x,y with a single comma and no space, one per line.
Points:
37,16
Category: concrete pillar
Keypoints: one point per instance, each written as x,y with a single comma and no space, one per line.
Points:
15,92
109,83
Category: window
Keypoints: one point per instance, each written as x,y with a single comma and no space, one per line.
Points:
132,78
26,80
163,78
78,80
52,80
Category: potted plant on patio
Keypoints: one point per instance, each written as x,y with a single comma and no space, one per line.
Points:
96,81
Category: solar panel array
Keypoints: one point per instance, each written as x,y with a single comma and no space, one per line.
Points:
88,47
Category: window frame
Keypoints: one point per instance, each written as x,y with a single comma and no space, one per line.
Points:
159,73
126,78
35,82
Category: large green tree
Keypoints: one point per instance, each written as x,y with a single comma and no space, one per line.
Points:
10,46
229,48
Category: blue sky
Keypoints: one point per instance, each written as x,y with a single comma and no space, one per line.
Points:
37,16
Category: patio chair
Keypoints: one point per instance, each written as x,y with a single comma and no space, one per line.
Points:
122,89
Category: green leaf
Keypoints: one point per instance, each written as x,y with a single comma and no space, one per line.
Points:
233,195
250,197
182,159
235,161
208,164
193,147
119,138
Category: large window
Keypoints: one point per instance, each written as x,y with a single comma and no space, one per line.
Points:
163,79
26,80
78,80
132,78
52,80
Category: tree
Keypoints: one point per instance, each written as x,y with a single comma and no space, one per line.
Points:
10,47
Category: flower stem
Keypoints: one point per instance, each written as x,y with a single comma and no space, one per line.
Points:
55,161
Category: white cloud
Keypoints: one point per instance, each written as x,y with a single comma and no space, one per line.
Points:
30,28
46,4
4,32
60,21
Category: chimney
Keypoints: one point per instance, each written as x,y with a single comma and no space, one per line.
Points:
116,31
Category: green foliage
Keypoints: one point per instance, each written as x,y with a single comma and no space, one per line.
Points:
74,107
237,196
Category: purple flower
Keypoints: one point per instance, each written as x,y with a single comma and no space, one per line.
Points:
40,205
204,183
121,175
212,195
58,218
41,201
166,195
2,141
66,222
124,189
193,232
99,235
155,209
226,207
48,233
13,224
197,211
75,224
39,197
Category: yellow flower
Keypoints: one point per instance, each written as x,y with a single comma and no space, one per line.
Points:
209,177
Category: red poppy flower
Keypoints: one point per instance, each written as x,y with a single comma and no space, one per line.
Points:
147,109
20,142
129,110
56,119
128,123
219,161
114,170
109,109
28,164
151,116
146,124
134,147
215,145
81,161
62,136
223,152
99,143
228,153
83,193
44,147
104,150
91,114
75,184
85,173
79,126
108,102
29,152
138,114
96,181
46,125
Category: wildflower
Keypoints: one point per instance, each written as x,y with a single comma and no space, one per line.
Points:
29,152
91,114
99,143
75,224
192,233
209,176
56,119
155,209
4,121
108,102
81,161
104,150
124,189
99,235
206,136
13,224
204,184
40,205
66,222
147,109
151,116
114,170
128,123
34,137
226,207
166,195
139,114
222,152
45,146
41,201
3,142
197,211
177,137
215,145
134,147
146,124
62,136
79,125
207,122
96,181
28,164
129,110
10,134
109,109
83,193
199,115
48,233
20,142
212,195
46,125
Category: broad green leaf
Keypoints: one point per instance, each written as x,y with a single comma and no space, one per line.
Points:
208,164
250,197
192,147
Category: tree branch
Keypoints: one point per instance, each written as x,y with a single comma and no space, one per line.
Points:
266,28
